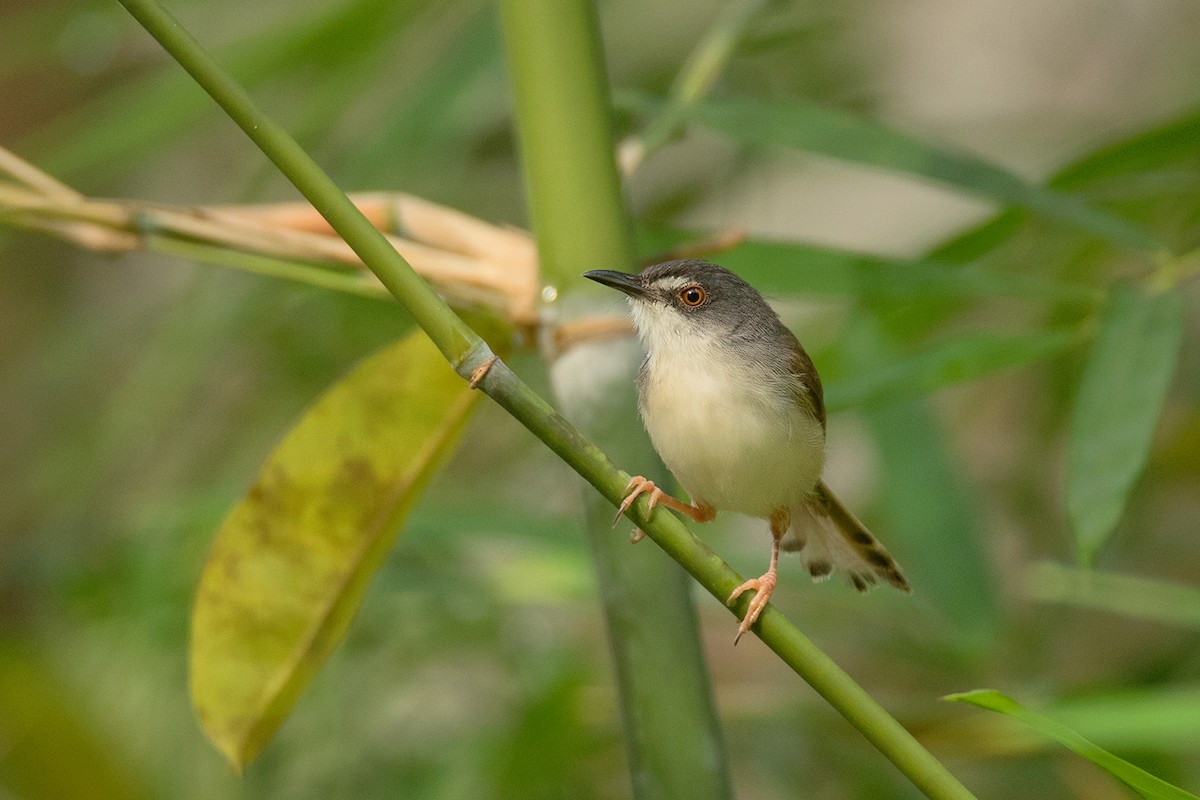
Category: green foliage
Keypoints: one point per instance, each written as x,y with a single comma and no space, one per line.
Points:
1136,778
1034,350
824,131
1128,595
1116,412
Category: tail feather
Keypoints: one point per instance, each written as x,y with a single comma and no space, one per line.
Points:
829,537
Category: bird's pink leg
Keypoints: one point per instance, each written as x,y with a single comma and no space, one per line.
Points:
764,584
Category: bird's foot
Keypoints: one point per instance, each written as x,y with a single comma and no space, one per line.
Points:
762,586
637,487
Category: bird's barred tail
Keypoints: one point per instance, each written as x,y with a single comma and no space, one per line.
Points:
828,537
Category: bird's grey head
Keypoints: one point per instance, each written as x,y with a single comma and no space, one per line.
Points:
695,299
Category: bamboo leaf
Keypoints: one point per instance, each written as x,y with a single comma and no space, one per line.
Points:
1143,152
963,358
1155,149
291,563
1161,718
928,507
1117,407
1129,595
1136,778
804,267
833,133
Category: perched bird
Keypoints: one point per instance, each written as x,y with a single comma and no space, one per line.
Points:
734,407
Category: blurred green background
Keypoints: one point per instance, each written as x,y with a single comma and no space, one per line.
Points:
139,394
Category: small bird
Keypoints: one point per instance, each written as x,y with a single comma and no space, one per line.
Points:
734,407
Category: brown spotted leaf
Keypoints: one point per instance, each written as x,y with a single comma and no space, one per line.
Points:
291,563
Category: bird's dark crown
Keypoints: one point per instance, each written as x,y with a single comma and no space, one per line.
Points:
724,292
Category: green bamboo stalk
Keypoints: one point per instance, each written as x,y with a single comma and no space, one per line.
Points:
556,66
466,351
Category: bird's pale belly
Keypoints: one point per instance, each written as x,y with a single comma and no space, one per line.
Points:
731,447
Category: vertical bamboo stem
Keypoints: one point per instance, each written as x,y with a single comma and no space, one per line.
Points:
563,116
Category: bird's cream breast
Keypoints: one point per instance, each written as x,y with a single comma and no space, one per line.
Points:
728,433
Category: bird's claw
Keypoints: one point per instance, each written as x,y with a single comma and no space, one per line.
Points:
636,487
763,585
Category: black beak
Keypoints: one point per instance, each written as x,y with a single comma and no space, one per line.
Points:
621,281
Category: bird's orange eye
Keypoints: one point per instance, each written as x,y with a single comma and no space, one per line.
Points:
691,295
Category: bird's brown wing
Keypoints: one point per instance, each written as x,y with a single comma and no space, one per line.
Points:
808,383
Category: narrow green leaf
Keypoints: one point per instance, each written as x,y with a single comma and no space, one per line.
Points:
1145,151
697,75
1161,719
1157,718
1136,778
291,563
1128,595
1155,149
833,133
964,358
932,522
1117,406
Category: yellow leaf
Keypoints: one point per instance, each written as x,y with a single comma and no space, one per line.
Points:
291,563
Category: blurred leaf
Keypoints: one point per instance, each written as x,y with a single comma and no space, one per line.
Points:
974,243
48,750
26,31
928,507
167,102
1128,595
546,746
787,267
1144,718
932,514
1136,778
1117,407
291,563
437,119
965,357
833,133
1148,150
1144,151
695,78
